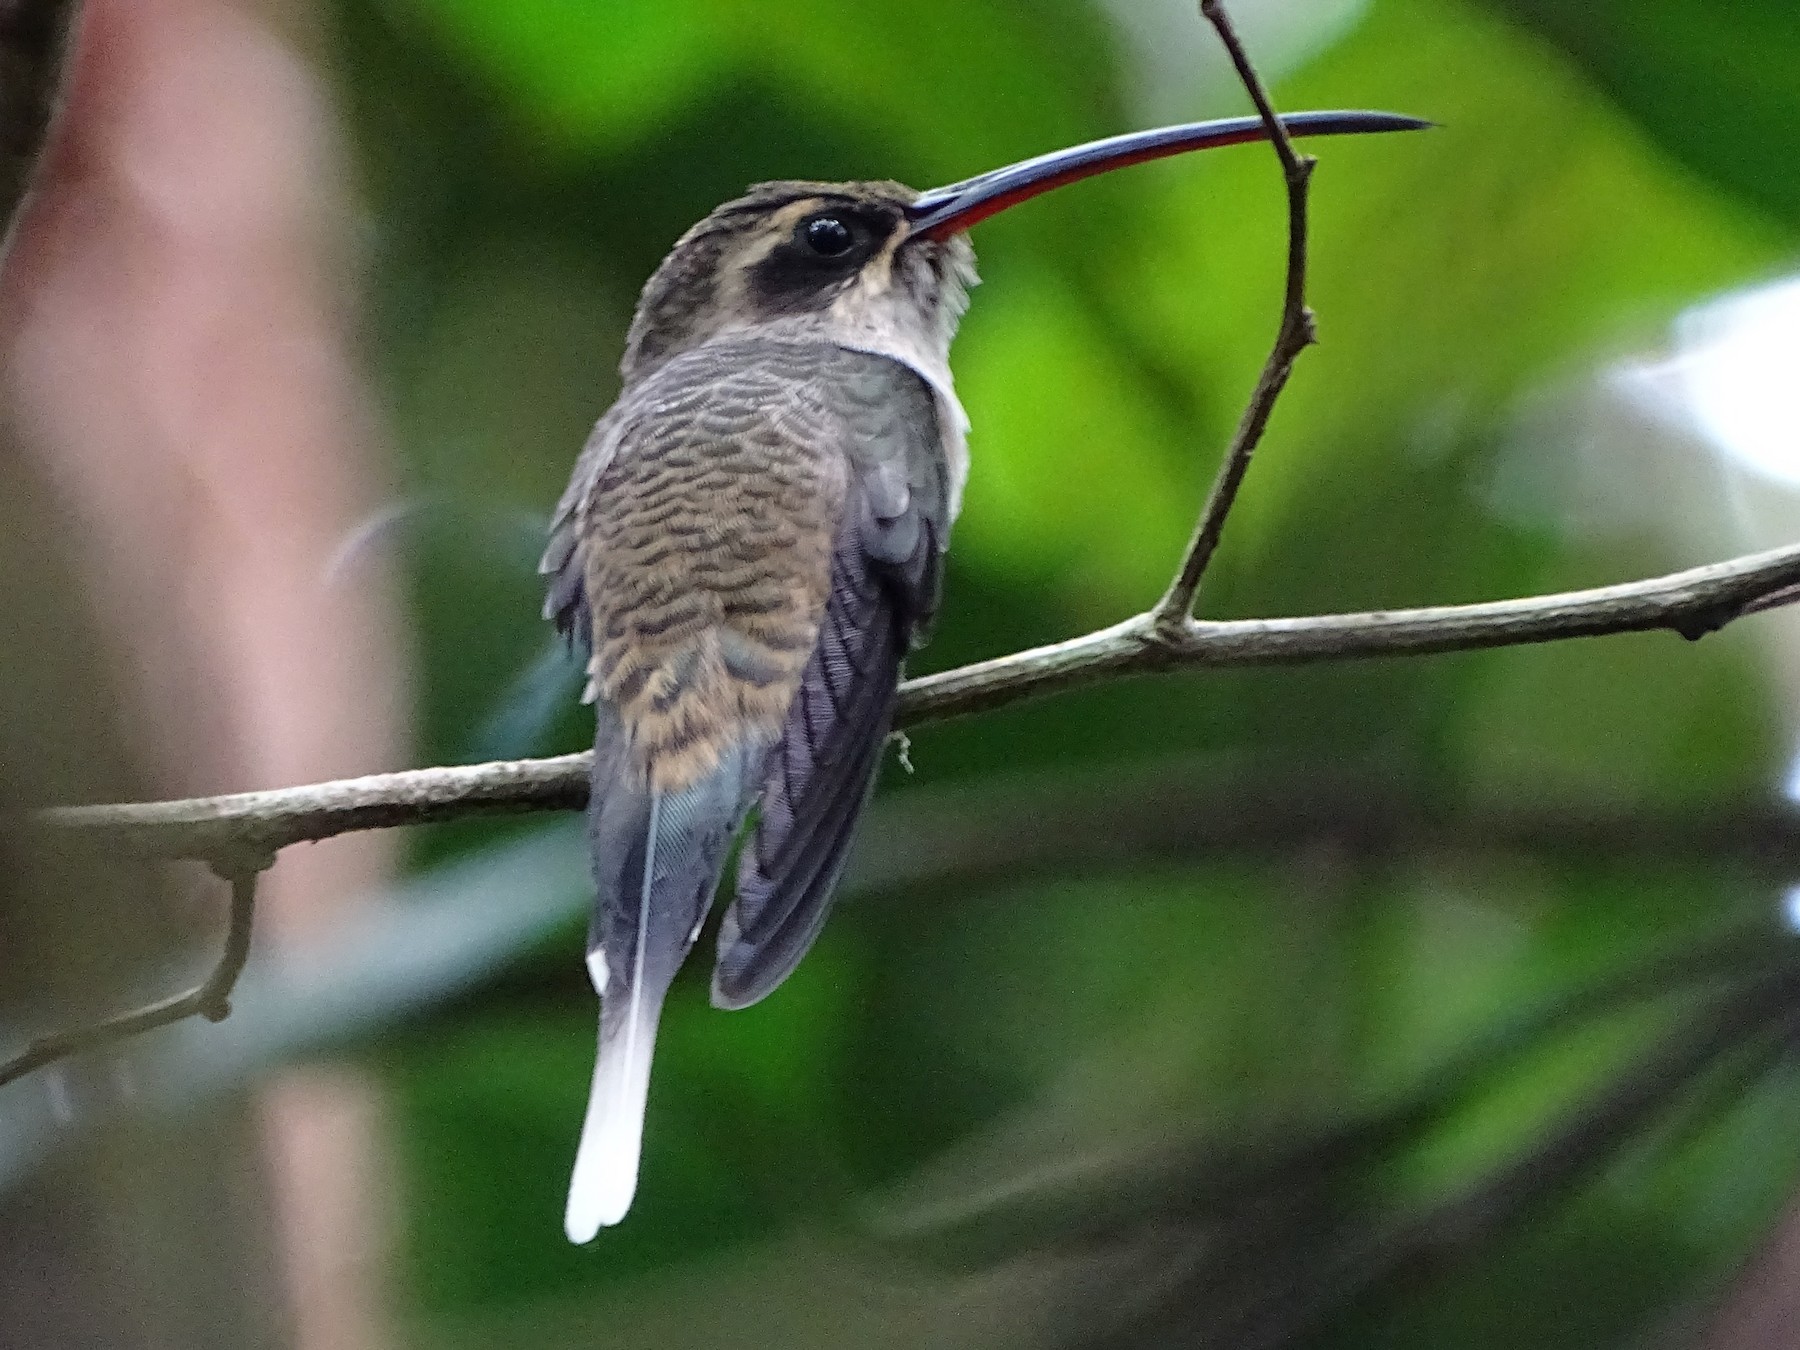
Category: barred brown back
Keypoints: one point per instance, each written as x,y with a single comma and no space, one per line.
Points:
708,541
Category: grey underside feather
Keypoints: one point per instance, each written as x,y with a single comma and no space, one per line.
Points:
694,832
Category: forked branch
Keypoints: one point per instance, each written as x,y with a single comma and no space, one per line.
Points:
236,833
1294,335
210,999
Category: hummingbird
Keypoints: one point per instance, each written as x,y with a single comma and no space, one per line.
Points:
752,540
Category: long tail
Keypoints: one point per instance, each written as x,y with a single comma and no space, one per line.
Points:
612,1134
657,859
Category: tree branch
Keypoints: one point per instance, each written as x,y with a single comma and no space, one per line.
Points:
1295,334
210,999
227,830
1692,602
239,833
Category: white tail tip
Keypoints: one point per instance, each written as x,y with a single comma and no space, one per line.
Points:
612,1136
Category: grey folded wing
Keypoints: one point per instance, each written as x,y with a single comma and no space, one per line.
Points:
886,577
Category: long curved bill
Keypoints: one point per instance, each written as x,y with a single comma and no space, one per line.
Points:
944,211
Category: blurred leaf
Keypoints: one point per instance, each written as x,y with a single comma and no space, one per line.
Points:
1071,449
596,76
529,165
1713,83
1625,722
584,72
1524,237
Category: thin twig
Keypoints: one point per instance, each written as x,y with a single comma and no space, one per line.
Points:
1296,333
227,827
210,999
1692,602
223,829
239,832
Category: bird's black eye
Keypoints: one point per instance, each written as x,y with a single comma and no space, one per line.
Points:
828,236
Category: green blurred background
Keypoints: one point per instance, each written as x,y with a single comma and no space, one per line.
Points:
1445,1001
976,1085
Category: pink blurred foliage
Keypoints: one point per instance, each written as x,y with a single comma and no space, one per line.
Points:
179,344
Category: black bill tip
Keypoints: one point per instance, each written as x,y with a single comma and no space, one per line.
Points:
950,210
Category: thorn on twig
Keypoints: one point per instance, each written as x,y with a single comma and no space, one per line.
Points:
1309,326
902,749
1695,626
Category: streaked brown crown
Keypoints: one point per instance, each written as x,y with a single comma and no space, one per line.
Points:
751,261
